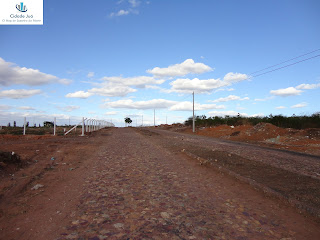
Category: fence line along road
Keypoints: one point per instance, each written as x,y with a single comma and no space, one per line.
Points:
88,125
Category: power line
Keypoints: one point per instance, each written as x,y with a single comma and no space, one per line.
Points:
285,61
284,66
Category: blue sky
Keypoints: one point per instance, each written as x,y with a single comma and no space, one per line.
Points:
112,59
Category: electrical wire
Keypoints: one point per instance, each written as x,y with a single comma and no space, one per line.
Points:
284,66
285,61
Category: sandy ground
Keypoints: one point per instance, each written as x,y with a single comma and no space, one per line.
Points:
125,183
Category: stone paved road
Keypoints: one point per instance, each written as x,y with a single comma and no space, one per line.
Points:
140,190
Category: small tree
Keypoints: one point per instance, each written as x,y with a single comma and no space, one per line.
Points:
128,120
48,124
14,123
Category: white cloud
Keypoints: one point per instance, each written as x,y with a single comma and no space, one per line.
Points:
26,108
150,104
230,98
225,113
285,92
180,69
293,91
10,74
69,108
281,107
187,106
19,93
139,81
300,105
234,77
112,91
187,85
308,86
79,94
90,74
119,13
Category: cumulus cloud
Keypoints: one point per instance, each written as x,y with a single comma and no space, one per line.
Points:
293,91
230,98
112,91
285,92
139,81
108,89
226,113
19,93
300,105
10,74
188,106
79,94
187,85
180,69
234,77
130,104
308,86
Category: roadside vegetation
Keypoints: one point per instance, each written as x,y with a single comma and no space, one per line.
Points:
296,122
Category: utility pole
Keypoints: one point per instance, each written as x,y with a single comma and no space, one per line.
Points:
193,120
154,117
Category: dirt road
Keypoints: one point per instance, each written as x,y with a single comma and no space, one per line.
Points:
123,183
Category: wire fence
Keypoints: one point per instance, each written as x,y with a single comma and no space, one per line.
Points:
56,126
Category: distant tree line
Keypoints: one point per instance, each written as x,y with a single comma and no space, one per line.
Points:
296,122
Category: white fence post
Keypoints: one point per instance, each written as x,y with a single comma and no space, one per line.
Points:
82,126
87,126
24,126
54,126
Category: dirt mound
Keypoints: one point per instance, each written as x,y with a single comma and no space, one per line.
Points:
266,134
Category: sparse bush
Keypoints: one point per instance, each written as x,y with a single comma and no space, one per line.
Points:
296,122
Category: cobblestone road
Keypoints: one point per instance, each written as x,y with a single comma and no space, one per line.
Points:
140,190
